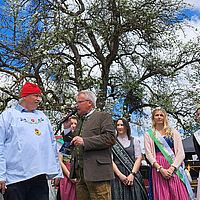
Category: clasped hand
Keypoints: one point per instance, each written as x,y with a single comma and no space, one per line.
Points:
167,173
127,180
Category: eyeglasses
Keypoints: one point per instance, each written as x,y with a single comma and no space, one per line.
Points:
78,102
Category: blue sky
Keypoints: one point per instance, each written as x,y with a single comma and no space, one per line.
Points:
193,11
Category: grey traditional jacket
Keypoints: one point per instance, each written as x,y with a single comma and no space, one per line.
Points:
99,136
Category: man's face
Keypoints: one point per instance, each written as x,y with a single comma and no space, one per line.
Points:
83,105
31,101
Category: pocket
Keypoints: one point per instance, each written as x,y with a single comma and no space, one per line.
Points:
103,162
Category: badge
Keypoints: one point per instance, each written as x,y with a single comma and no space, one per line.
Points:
37,132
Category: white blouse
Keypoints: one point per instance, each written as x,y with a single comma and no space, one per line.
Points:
126,143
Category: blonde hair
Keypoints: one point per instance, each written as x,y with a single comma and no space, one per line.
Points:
166,127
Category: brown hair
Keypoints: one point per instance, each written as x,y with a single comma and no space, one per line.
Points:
74,117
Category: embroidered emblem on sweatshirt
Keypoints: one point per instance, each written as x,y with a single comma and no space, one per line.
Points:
37,132
32,121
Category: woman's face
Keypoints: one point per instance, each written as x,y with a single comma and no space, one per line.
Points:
121,129
198,114
73,124
159,117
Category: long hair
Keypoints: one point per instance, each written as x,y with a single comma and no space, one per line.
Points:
166,126
127,127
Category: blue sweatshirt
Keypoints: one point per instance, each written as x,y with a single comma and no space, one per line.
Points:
27,146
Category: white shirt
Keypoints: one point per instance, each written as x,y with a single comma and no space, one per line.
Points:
126,143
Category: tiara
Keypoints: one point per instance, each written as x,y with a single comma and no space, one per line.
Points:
158,108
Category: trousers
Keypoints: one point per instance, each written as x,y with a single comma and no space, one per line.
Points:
90,190
35,188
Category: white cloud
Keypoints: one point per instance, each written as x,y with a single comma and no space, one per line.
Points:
195,21
194,3
191,33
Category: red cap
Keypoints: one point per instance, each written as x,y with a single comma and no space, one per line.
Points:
30,88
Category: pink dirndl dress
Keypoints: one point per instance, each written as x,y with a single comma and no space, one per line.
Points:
167,189
67,188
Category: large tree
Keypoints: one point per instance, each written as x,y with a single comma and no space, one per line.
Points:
126,51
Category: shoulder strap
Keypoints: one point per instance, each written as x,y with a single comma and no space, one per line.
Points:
123,156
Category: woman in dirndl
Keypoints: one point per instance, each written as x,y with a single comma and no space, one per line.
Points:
67,190
128,183
164,150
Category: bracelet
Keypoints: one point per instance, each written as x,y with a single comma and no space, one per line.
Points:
173,167
133,173
158,169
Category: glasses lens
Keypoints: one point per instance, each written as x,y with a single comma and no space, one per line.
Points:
78,102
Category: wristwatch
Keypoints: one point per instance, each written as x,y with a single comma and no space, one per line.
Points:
158,169
133,173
